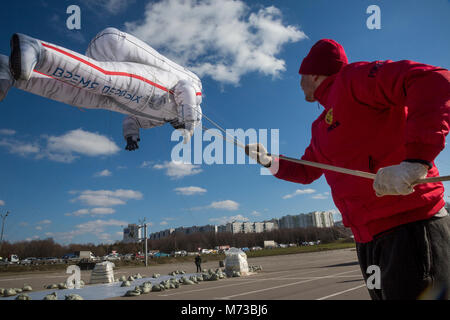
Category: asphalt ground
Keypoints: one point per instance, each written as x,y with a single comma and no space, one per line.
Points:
326,275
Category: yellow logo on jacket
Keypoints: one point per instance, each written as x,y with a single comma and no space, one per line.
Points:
329,117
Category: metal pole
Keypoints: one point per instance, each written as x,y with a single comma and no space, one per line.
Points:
358,173
3,225
146,251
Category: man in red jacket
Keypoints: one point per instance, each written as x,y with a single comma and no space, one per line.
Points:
389,118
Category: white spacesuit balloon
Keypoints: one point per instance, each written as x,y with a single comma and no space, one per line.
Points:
119,73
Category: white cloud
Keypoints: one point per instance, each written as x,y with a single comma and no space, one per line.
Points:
81,142
102,211
107,198
320,196
7,132
77,213
38,228
65,148
92,212
298,192
111,6
2,203
164,223
255,213
146,164
177,170
189,191
18,147
225,220
229,205
225,205
103,173
222,39
95,227
45,222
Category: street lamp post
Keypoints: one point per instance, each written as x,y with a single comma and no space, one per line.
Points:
143,224
3,226
146,251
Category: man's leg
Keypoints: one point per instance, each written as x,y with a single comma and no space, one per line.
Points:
412,258
50,88
438,240
364,252
132,85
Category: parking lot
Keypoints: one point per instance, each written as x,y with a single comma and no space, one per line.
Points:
308,276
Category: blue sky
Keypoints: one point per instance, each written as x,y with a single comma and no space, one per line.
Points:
90,195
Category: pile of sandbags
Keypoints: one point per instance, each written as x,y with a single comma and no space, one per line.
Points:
14,291
102,273
73,296
52,296
254,268
236,261
60,286
23,296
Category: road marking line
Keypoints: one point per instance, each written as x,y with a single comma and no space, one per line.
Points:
341,292
285,285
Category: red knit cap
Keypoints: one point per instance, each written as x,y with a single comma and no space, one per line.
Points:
326,57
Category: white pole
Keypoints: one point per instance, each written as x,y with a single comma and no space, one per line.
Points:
353,172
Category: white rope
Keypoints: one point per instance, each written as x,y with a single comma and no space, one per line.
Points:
357,173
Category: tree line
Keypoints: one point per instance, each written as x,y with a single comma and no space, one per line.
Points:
176,241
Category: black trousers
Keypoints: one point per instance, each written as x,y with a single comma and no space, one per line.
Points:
199,268
413,260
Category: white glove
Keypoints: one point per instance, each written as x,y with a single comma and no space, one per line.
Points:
258,152
398,179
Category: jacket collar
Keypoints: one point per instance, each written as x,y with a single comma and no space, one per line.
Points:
322,92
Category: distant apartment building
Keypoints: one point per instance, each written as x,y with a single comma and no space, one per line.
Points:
161,234
319,219
132,233
195,229
249,227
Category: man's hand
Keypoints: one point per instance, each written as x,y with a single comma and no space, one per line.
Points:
132,143
399,179
258,152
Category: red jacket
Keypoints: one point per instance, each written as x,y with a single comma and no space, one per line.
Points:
378,114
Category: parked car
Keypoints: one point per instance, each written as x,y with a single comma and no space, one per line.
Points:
181,253
30,260
139,256
51,260
161,254
111,257
256,248
129,256
13,258
70,256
